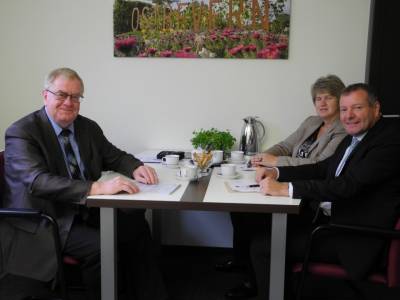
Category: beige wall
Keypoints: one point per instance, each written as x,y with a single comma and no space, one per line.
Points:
153,103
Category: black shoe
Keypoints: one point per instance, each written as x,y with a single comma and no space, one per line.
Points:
243,291
230,266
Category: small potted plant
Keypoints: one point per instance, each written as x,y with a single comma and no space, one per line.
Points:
207,143
213,139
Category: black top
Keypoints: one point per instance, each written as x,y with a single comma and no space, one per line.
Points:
304,149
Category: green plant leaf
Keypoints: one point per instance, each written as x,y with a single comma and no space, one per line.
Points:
213,139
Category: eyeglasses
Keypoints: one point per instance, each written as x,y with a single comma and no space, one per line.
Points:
61,96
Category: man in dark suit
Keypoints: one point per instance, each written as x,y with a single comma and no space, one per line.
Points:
357,185
53,160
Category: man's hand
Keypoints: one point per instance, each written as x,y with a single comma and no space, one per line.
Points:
264,159
270,186
145,174
113,186
263,172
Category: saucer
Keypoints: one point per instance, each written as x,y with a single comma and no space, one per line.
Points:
235,176
236,162
171,166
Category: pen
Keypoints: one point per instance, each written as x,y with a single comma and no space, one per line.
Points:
175,188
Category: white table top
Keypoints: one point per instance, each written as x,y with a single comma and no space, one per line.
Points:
208,193
218,193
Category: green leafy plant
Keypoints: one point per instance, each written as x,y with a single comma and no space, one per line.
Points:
213,139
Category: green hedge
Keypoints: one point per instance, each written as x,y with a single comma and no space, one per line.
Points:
123,15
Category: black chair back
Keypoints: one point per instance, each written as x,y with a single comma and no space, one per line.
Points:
1,177
38,215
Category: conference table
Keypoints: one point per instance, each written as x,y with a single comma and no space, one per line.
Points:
208,193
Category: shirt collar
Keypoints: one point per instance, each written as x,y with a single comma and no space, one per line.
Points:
360,136
57,128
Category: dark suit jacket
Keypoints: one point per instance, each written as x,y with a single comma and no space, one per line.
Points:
37,177
367,192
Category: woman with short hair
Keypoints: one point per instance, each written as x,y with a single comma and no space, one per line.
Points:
315,139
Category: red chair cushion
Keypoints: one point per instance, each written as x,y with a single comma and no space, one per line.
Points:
68,260
335,271
393,270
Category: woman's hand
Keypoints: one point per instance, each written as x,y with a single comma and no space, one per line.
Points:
264,159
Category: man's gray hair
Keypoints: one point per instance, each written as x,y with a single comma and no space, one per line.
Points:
64,72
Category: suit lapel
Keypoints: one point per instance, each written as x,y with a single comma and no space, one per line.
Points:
362,145
324,136
310,131
51,143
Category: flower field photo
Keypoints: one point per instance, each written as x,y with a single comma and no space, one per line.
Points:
252,29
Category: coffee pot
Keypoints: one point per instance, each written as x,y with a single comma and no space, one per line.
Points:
253,131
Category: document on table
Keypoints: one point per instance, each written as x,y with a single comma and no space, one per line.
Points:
160,188
149,156
242,186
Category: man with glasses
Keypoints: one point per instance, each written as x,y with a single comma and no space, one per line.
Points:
53,160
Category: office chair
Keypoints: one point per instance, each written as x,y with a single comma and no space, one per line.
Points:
38,215
389,276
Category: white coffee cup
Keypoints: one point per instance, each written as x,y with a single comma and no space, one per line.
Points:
189,171
218,156
228,169
171,159
237,155
248,174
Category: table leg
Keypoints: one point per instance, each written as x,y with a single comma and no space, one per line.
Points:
278,253
108,237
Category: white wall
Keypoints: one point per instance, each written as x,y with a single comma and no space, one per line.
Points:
157,103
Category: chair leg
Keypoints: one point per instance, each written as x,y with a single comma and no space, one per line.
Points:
357,291
60,267
304,270
300,285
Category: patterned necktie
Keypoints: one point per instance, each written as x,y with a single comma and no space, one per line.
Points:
346,155
69,153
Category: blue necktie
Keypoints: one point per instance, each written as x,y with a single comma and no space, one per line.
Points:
326,206
69,153
346,155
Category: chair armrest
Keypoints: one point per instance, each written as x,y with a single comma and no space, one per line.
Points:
361,230
19,213
27,213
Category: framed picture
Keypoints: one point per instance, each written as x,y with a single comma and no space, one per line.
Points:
252,29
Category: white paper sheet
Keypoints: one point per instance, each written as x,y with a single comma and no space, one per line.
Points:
244,186
160,188
149,156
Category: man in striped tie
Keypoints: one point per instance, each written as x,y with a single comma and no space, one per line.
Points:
357,185
53,160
